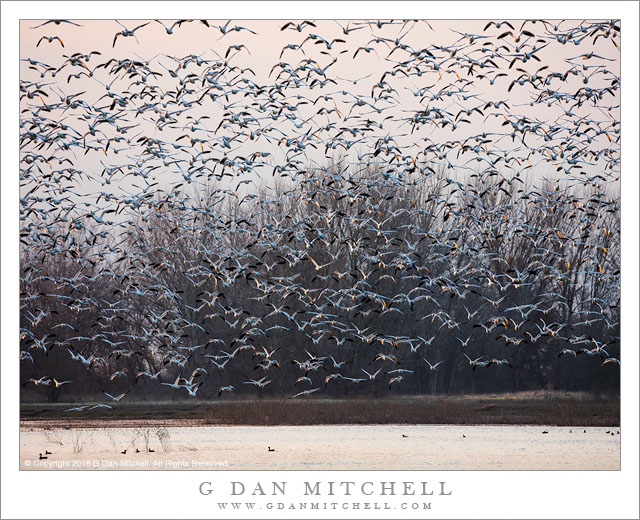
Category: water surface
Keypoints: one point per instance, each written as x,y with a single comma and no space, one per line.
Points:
326,447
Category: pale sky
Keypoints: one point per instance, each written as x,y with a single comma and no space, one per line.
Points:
353,76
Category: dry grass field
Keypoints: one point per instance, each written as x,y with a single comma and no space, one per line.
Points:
549,408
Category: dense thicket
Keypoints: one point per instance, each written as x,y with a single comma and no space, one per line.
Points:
376,271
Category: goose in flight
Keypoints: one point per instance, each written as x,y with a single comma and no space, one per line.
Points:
44,381
297,26
372,376
498,362
338,364
85,361
198,371
465,342
260,383
149,375
396,379
400,371
305,392
332,377
473,363
498,25
432,367
26,355
50,39
77,408
225,29
191,390
385,357
170,29
354,379
303,379
101,405
176,384
229,388
118,373
57,22
219,366
117,398
128,32
346,29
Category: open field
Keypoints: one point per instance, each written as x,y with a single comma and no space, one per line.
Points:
534,408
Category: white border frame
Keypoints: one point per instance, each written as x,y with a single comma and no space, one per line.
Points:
175,494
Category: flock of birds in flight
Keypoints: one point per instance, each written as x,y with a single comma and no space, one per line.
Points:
207,197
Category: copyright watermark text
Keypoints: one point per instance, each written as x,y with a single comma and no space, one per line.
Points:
101,463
